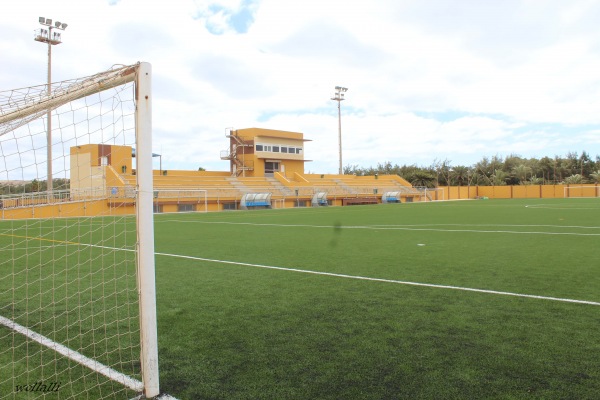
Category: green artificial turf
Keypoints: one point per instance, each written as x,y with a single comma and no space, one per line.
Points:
239,331
360,302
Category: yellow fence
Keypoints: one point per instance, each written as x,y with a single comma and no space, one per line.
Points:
520,191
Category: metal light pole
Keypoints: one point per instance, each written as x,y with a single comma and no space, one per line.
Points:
339,96
52,38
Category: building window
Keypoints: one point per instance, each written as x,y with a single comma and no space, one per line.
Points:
278,149
229,206
186,207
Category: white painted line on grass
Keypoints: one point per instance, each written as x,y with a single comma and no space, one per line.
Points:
393,227
110,373
366,278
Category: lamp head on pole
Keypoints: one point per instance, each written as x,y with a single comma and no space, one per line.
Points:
339,93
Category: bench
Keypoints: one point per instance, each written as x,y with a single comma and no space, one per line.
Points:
359,201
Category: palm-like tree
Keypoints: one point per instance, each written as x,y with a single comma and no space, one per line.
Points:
521,171
460,174
422,178
499,177
575,178
595,176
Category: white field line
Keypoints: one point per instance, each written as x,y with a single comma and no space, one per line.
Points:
366,278
401,228
110,373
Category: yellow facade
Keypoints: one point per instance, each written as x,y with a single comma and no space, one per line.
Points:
103,182
256,152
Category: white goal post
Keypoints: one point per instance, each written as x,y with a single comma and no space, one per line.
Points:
431,194
187,199
77,272
586,191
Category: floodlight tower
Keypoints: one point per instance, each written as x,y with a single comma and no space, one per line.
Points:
45,35
339,97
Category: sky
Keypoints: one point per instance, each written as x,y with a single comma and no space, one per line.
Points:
428,80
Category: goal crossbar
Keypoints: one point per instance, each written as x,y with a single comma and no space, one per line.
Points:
29,109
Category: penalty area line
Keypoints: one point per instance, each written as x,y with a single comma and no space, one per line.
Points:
398,282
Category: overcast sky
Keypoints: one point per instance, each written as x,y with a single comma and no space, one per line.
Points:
427,80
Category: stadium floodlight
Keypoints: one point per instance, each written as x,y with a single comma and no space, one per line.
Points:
339,97
46,36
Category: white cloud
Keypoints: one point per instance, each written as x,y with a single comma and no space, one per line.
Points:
427,80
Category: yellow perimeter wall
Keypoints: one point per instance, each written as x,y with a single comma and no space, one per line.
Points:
520,192
102,207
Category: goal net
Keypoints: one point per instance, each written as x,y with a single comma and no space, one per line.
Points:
77,295
581,191
431,194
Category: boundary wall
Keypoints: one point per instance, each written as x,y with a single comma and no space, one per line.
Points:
520,191
122,202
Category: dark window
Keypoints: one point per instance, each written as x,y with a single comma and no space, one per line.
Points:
275,149
229,206
186,207
259,147
284,149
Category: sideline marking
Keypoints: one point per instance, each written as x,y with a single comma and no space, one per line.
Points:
398,228
358,277
110,373
366,278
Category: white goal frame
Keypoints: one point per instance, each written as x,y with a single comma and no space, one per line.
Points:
589,191
19,113
183,196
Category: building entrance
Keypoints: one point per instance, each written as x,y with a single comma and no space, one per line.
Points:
271,167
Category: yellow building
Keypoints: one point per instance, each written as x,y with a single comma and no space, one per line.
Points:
265,164
256,152
96,167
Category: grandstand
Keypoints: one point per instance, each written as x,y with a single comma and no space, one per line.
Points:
261,161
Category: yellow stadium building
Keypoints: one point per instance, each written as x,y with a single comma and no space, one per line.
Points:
266,171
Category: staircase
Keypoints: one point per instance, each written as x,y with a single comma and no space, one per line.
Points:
233,154
280,187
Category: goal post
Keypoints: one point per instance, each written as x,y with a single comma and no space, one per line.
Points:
77,269
145,232
180,200
583,191
431,194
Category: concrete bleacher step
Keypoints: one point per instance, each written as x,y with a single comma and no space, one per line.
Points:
280,187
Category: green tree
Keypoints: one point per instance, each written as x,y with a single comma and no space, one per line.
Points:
460,175
499,177
421,178
35,186
520,172
575,178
